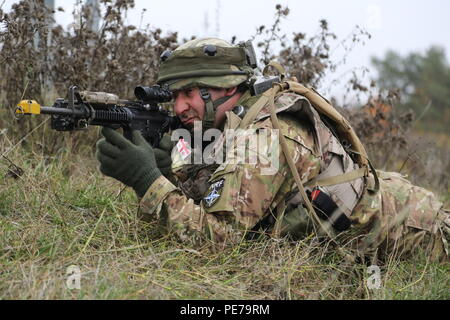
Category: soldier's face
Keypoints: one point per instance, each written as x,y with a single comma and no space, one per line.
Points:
190,107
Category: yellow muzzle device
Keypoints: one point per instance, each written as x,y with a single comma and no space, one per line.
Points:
28,107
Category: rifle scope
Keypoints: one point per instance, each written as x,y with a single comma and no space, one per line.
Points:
153,93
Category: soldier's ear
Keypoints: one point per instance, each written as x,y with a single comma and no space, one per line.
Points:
231,91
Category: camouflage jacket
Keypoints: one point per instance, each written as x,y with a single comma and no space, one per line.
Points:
233,198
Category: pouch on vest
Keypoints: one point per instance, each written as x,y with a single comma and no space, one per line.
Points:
327,209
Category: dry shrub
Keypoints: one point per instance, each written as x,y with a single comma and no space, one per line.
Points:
115,59
57,210
392,144
120,56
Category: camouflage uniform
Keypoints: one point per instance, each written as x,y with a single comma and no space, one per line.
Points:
225,203
397,218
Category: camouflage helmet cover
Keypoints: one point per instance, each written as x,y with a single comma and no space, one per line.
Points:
190,66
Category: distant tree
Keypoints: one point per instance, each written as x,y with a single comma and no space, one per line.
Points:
424,84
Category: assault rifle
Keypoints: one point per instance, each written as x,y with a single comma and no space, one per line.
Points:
84,108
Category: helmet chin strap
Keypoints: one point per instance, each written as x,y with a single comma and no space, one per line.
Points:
211,107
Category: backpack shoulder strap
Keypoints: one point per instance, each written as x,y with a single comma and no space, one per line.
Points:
323,107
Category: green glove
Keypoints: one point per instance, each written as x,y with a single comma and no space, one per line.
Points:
163,156
131,162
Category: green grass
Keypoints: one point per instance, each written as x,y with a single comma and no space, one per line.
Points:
63,212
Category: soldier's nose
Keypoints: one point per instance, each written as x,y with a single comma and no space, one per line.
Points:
180,106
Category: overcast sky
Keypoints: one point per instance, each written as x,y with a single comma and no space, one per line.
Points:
400,25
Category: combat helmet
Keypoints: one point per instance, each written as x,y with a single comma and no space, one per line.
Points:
207,62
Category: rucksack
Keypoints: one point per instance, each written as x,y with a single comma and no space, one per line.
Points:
337,124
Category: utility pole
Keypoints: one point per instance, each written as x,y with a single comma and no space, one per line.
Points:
205,25
93,22
49,21
218,18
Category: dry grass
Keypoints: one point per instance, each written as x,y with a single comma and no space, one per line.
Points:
57,210
61,211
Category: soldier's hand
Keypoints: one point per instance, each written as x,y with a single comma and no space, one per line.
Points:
131,162
163,156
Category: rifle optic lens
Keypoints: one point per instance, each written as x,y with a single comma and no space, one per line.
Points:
153,94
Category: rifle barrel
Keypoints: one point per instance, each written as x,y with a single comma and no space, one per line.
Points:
63,111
